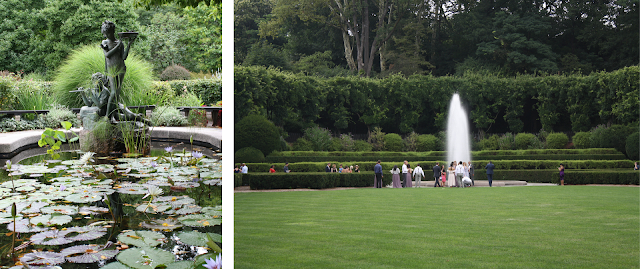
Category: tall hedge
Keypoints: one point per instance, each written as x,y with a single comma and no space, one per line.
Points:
553,103
258,132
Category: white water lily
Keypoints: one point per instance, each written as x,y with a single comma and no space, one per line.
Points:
86,157
153,192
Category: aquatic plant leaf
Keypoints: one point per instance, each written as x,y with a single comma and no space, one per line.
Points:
199,220
19,183
35,169
145,257
193,238
181,265
161,224
85,233
24,226
175,200
50,238
211,174
215,212
82,198
115,265
5,217
187,184
141,238
213,182
50,220
89,253
189,209
28,207
62,209
94,210
153,208
133,189
42,258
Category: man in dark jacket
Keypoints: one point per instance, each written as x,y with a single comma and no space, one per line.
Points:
377,169
328,168
489,168
436,174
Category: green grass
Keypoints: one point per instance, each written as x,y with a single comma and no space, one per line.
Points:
509,227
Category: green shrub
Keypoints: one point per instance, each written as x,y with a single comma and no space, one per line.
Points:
59,114
582,140
633,146
411,142
319,137
361,145
507,142
557,140
258,132
12,125
302,144
310,180
537,144
524,140
197,117
7,92
187,98
33,95
376,139
168,116
489,143
162,93
77,69
392,142
614,136
237,179
249,155
347,142
336,144
208,90
427,142
175,72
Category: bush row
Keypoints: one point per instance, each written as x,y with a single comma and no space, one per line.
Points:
295,159
479,165
209,90
442,153
259,181
316,180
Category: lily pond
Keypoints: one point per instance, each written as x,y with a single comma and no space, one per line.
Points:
162,211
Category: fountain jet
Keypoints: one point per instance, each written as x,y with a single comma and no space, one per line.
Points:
458,143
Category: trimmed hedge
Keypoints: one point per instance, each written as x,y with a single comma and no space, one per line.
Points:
311,180
283,159
442,153
479,164
319,180
237,180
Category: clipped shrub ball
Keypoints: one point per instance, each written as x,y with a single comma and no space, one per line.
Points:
175,72
361,145
582,140
258,132
302,144
614,136
633,146
557,140
249,155
524,140
427,142
393,142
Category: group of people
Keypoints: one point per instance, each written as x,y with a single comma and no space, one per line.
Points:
459,174
349,169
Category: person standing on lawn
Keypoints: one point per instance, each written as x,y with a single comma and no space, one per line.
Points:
437,173
395,176
561,169
418,174
459,174
377,169
404,173
489,168
471,174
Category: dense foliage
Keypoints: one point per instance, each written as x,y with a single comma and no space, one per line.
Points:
248,155
526,103
175,72
258,132
381,38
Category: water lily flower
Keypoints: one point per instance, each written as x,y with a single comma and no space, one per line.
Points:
214,264
153,191
196,154
168,149
63,187
196,179
154,164
86,157
8,164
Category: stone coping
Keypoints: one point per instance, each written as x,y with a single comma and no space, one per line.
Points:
10,142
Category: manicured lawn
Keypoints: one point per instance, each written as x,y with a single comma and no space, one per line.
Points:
507,227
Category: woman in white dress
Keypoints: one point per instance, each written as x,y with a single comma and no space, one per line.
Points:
466,169
451,176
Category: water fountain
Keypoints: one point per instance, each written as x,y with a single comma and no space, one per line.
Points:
458,143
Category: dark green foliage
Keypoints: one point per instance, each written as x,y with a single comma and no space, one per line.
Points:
392,142
628,177
249,155
361,145
258,132
633,146
209,90
237,180
336,145
582,140
310,180
302,144
507,142
168,116
411,142
557,140
611,137
320,138
524,140
376,139
489,143
265,54
347,142
7,97
427,142
175,72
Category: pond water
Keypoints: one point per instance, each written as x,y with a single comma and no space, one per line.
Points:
161,210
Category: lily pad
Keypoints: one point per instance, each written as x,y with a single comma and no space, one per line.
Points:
24,226
89,253
85,233
50,238
115,265
179,265
199,220
62,209
145,257
5,217
196,238
161,224
93,210
50,220
42,258
189,209
211,174
84,197
133,189
153,208
213,182
141,238
215,212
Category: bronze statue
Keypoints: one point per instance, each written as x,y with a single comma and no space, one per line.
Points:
115,53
